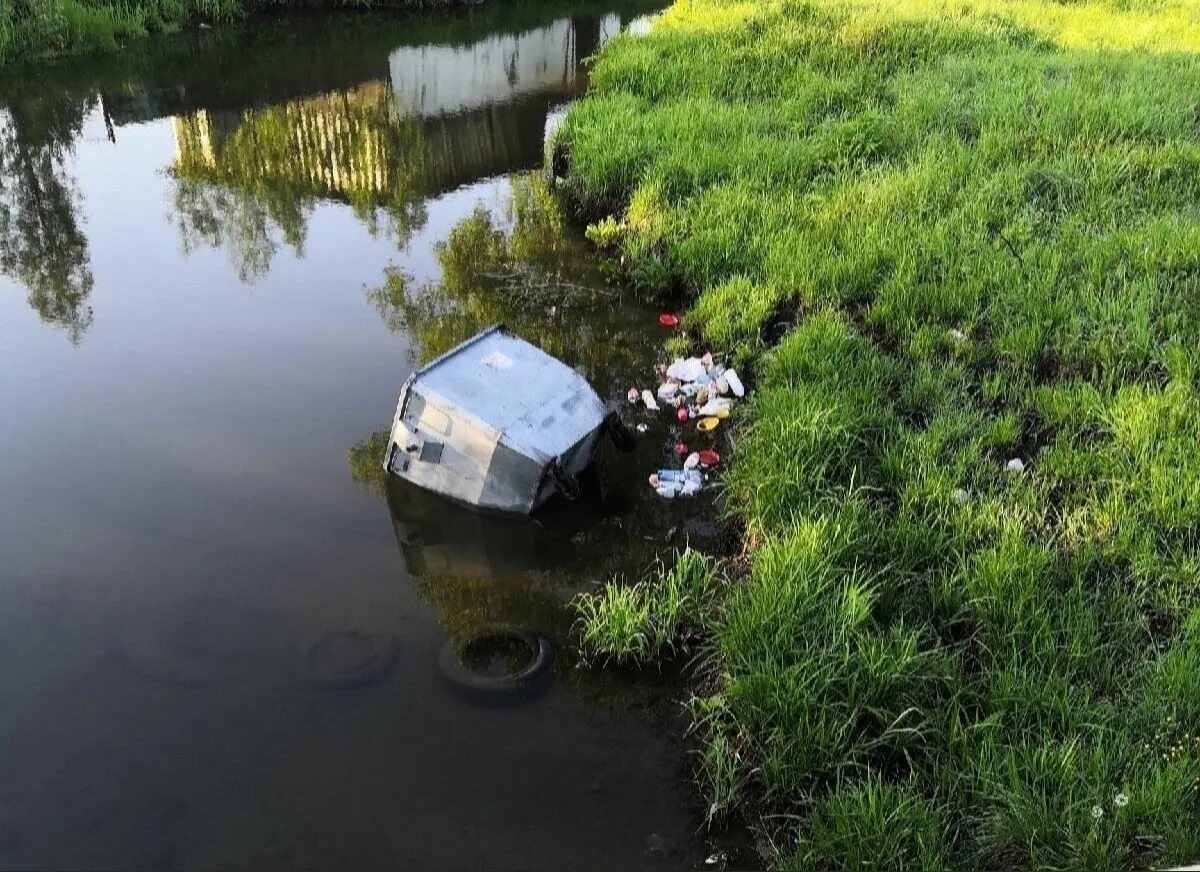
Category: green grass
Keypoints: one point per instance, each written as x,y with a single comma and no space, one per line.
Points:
980,222
652,619
39,30
33,30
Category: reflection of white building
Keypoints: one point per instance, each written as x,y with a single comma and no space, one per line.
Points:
481,109
446,79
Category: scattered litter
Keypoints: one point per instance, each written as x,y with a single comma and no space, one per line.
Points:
697,388
1016,465
713,407
634,395
735,383
957,335
642,428
671,483
714,859
688,370
668,320
961,495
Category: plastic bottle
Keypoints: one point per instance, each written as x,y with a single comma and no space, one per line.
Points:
648,401
714,407
735,383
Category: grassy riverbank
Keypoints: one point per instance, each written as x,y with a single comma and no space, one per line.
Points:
32,30
38,30
944,237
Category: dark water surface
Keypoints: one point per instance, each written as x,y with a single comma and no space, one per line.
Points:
220,631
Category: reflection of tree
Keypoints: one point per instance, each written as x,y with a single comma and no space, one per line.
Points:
212,215
248,181
523,269
42,244
366,462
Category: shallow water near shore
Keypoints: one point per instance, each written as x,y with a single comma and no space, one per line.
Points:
223,633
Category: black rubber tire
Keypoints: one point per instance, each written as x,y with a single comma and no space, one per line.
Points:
383,652
536,676
620,434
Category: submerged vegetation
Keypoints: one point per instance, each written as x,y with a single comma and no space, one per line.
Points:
944,238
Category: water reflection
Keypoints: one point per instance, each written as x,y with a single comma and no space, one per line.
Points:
42,243
256,152
432,80
521,266
446,116
238,656
515,260
248,181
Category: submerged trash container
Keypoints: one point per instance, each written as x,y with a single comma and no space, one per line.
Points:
496,424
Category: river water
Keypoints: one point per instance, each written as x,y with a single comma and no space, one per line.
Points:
220,256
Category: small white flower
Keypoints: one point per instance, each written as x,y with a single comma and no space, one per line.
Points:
1120,800
1097,812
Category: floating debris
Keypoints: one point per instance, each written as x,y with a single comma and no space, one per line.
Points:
671,483
699,389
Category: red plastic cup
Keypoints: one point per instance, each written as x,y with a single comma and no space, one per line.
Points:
668,320
708,457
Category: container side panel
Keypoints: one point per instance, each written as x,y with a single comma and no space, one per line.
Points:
512,480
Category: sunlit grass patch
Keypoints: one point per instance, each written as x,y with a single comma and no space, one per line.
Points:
646,621
970,471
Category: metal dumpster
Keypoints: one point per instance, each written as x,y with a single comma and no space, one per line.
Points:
496,424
